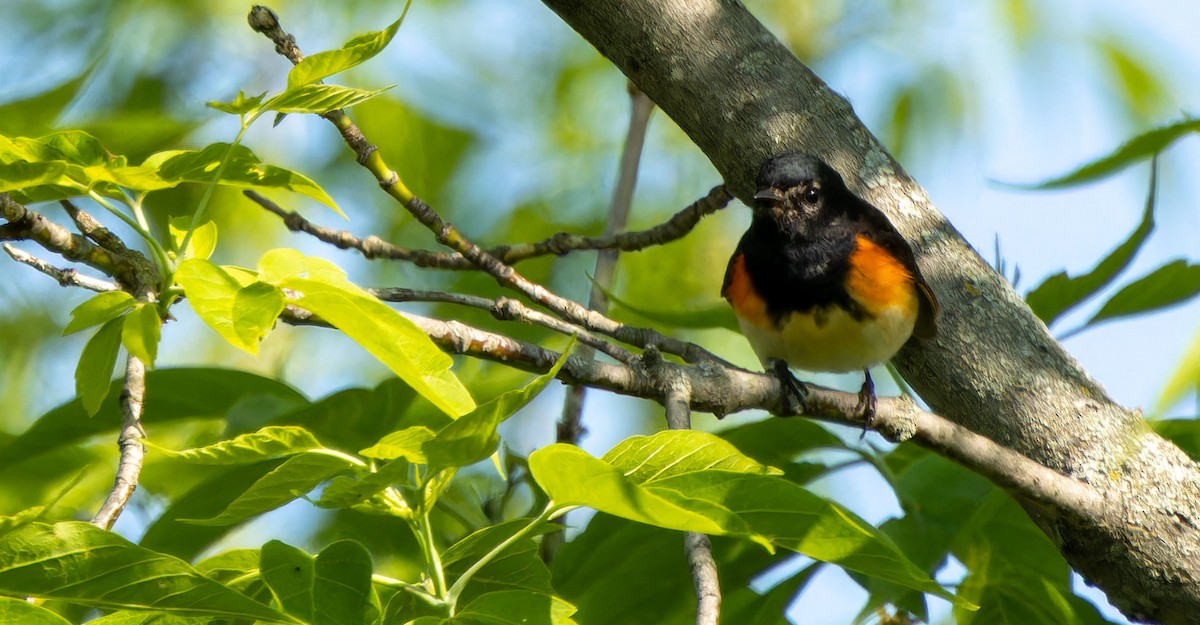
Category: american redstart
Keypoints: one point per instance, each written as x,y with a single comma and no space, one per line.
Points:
822,281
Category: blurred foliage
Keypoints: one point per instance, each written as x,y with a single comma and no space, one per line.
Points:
511,126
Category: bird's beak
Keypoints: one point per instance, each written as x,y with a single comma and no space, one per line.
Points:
769,194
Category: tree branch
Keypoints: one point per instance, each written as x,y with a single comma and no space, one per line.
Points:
65,277
133,452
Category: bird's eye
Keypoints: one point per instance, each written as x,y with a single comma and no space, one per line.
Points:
811,195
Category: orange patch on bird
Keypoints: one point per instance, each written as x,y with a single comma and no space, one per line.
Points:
746,301
878,280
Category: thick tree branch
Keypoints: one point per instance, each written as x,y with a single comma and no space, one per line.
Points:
26,224
742,96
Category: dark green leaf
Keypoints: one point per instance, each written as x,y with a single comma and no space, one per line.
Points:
519,567
1140,147
1185,433
93,375
18,176
1169,285
332,589
83,564
1060,293
515,607
294,478
714,316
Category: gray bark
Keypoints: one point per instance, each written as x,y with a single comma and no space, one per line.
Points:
742,96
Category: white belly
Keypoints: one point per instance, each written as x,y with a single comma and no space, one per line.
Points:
841,343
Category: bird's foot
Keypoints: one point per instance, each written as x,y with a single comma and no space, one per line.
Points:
795,392
866,402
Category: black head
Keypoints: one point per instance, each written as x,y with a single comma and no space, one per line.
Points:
796,189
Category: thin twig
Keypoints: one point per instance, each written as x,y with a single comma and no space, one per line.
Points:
129,468
561,243
93,229
26,224
65,277
506,309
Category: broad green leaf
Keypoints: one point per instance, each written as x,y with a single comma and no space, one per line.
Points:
1060,293
473,436
406,443
332,589
1134,150
571,477
13,610
100,308
80,563
1169,285
141,331
20,175
11,521
171,395
93,375
294,478
355,51
763,508
387,335
269,442
239,105
515,607
141,617
319,99
242,315
778,443
203,241
1185,378
243,169
668,453
277,265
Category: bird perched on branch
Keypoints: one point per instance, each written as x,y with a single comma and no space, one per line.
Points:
822,281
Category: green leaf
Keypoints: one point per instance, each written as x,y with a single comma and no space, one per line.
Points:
203,241
685,496
141,617
21,175
354,52
473,437
239,105
1134,150
1060,293
778,443
383,332
332,589
93,375
319,99
242,315
243,170
1185,378
172,395
405,443
294,478
515,607
13,610
1185,433
11,521
1169,285
665,454
269,442
141,331
100,308
80,563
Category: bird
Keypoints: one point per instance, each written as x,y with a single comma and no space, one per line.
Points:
822,281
